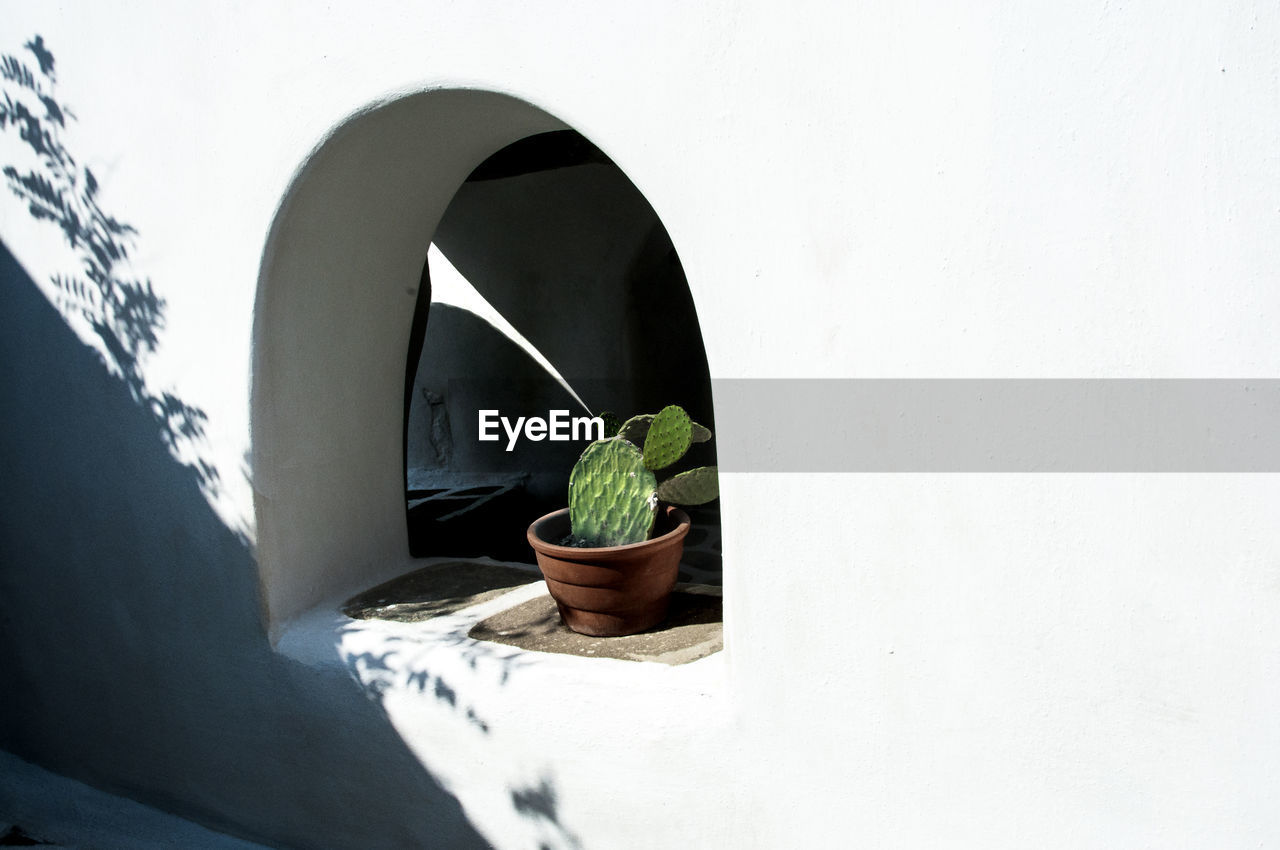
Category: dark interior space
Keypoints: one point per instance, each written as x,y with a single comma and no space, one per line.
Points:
563,246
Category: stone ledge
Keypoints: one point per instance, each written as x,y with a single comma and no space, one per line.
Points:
692,630
437,589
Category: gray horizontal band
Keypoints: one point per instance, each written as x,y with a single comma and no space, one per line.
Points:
998,425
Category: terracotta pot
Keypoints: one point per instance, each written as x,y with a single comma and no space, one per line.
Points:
613,590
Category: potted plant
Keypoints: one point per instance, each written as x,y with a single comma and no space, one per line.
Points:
610,559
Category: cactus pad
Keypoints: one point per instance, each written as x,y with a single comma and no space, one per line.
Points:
694,487
611,424
612,497
635,429
668,438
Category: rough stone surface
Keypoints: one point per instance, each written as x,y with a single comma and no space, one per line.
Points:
693,629
435,590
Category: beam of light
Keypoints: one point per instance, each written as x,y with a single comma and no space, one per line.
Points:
448,286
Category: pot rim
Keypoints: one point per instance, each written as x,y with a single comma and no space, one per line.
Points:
682,526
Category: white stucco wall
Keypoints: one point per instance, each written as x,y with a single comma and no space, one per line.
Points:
992,190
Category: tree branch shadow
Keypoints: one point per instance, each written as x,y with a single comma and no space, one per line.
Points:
133,650
123,311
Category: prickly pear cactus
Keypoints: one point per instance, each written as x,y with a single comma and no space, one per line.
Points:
613,492
668,438
695,487
612,497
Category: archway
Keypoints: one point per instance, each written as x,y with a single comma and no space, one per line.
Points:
556,288
339,284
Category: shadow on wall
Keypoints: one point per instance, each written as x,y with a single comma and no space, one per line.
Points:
467,497
123,311
400,664
468,365
132,648
131,645
540,804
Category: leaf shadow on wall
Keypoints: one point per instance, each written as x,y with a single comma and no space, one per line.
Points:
123,311
132,648
402,663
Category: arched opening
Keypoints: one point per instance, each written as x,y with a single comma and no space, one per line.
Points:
337,424
557,288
